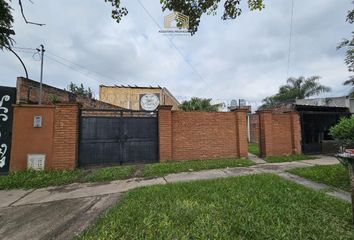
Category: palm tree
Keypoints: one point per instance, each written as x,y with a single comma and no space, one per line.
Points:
296,88
199,104
300,88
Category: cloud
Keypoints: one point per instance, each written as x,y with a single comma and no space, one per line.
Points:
244,58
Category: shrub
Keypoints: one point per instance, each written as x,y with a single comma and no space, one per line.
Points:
343,132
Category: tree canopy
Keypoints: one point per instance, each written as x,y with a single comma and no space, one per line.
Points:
80,90
349,45
296,88
194,9
6,21
199,104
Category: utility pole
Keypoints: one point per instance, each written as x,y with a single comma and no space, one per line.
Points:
41,78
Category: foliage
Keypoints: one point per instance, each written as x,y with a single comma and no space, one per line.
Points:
289,158
333,175
53,99
199,104
6,21
194,9
344,131
349,45
163,169
254,207
80,90
296,88
253,148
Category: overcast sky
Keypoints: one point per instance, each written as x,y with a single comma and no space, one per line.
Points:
242,58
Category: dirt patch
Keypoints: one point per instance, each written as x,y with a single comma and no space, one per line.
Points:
137,172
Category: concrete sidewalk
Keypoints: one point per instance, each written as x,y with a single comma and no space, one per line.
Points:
63,206
80,190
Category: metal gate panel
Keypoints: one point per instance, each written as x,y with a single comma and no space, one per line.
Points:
7,98
109,137
99,141
140,143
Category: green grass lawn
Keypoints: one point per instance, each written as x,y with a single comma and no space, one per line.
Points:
39,179
290,158
250,207
253,148
334,175
162,169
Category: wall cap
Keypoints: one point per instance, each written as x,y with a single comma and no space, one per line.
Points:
240,110
46,105
165,107
265,111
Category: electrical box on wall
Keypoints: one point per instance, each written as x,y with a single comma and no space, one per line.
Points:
35,161
37,121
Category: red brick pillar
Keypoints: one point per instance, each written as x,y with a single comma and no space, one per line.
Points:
241,132
65,136
295,132
165,132
266,128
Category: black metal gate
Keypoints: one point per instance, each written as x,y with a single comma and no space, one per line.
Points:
109,137
315,128
7,98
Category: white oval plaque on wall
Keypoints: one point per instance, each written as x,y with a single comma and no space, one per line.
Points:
149,102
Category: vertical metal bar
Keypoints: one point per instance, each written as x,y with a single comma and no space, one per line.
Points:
80,137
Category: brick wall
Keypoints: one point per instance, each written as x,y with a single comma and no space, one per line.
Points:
65,137
280,133
201,135
57,138
254,128
28,93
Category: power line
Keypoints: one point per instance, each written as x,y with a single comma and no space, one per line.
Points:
290,36
175,47
24,48
80,66
73,68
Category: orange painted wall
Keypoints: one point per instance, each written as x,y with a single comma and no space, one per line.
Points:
45,140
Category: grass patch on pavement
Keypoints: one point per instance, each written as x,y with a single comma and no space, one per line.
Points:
38,179
109,174
289,158
250,207
333,175
162,169
253,148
